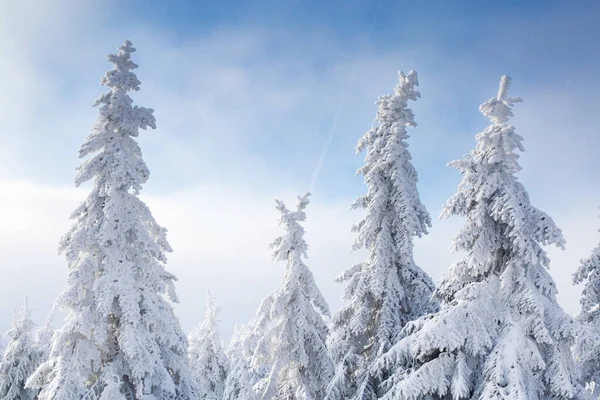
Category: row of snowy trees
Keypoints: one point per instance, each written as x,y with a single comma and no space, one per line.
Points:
492,329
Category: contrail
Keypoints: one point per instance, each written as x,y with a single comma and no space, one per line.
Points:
325,150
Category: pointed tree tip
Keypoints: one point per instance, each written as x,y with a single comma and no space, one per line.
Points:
303,201
409,81
209,297
505,81
127,47
279,204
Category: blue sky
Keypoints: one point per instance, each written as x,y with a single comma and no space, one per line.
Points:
245,95
459,49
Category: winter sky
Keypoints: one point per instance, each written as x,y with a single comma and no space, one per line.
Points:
245,95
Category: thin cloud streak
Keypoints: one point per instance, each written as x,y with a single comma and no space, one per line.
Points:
345,94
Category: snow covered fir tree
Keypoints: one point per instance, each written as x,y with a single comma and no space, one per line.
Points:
388,289
587,348
21,357
240,378
290,323
500,333
208,361
44,336
121,339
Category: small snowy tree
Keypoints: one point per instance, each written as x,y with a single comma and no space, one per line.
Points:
500,333
290,325
587,348
388,289
44,336
21,358
208,361
250,336
121,334
240,379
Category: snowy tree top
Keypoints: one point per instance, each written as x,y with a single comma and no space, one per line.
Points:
117,111
22,322
293,238
407,84
121,75
489,173
499,108
211,309
118,120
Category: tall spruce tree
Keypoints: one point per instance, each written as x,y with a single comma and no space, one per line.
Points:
121,338
388,289
290,326
587,348
21,357
500,333
208,361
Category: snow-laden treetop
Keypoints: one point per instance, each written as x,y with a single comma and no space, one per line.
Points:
122,79
488,173
497,145
499,109
293,238
118,118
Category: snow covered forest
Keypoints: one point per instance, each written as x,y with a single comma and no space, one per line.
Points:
490,329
